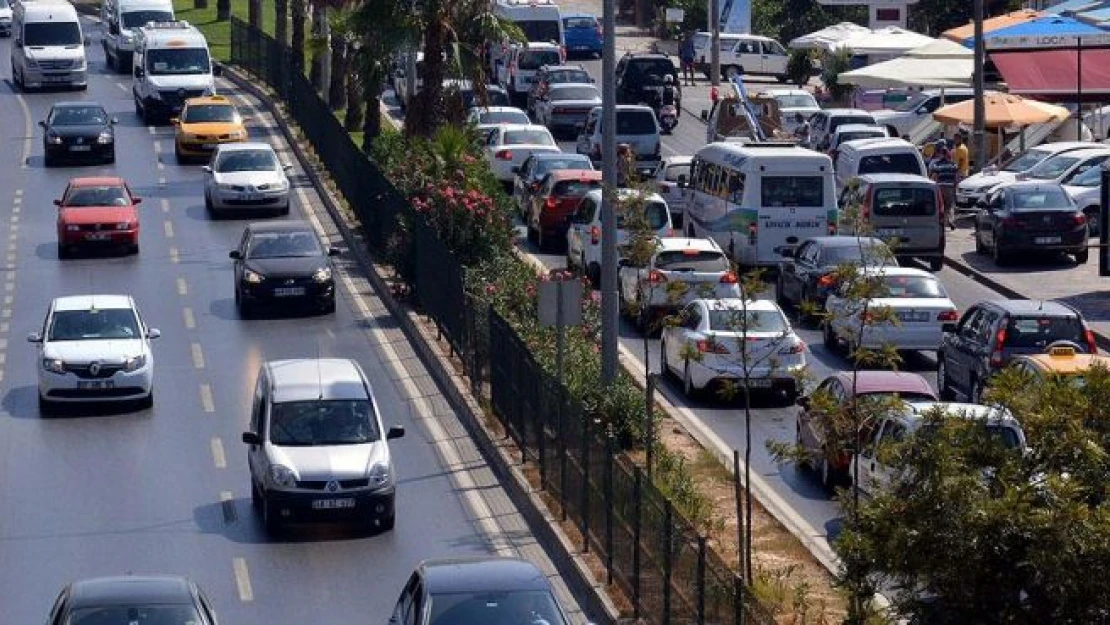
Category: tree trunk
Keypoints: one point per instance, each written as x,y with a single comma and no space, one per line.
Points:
425,115
337,92
281,21
223,10
296,44
353,120
316,71
200,4
372,124
254,13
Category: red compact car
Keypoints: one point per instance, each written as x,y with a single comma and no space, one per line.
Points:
555,201
98,212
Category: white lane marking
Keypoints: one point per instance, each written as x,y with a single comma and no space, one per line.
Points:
206,398
151,129
182,287
6,313
218,456
18,199
16,209
162,181
11,257
175,255
198,355
18,192
161,167
27,129
190,322
157,147
243,580
9,285
167,227
165,203
15,218
8,299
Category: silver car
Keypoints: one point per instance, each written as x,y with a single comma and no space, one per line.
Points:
246,176
316,446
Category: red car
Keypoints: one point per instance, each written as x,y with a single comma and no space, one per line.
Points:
556,200
98,212
832,464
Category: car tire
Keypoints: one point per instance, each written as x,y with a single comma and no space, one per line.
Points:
209,207
256,497
975,393
1081,256
178,156
246,310
386,524
133,248
998,255
284,210
643,318
47,161
829,337
936,263
531,235
944,385
688,388
825,474
780,295
542,242
138,109
47,408
593,273
731,70
664,366
782,78
329,307
111,160
63,252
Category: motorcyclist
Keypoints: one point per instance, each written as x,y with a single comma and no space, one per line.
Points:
670,92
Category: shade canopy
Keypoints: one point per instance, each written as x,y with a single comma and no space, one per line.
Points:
827,37
889,40
1054,74
966,34
1047,25
1073,6
941,63
1002,110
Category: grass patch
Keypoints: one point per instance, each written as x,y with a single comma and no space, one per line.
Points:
216,32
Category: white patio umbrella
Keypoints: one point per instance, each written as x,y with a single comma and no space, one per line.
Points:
939,64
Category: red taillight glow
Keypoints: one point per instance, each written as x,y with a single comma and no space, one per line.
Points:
503,155
795,348
655,276
752,232
664,189
999,343
711,347
595,235
826,280
550,203
1012,222
1079,219
729,278
1092,346
947,315
832,229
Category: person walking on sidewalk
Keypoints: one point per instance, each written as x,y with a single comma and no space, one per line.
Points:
946,174
686,57
961,156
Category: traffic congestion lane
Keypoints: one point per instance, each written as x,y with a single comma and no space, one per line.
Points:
166,490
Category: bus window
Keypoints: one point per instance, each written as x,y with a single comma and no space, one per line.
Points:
801,191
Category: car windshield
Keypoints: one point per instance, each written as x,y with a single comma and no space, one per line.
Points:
323,422
886,396
246,160
674,171
575,188
910,104
871,254
540,30
177,61
1053,167
910,287
796,101
656,213
1089,178
636,123
202,113
527,137
535,59
40,34
1040,199
503,117
575,92
496,607
801,191
738,320
1039,332
898,163
93,324
544,166
78,116
568,75
135,19
1026,161
164,614
105,195
701,261
905,201
579,22
291,244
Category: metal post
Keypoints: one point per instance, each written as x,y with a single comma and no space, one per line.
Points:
325,62
1079,88
560,334
609,454
980,138
715,43
649,423
701,580
610,320
668,538
584,500
738,493
563,452
1104,224
637,520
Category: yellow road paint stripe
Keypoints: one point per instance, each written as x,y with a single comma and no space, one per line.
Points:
218,456
243,580
206,398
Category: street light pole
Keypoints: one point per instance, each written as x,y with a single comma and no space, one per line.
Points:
609,304
980,136
715,43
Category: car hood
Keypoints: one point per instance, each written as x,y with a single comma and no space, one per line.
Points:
209,128
55,53
883,114
84,130
179,81
286,267
330,462
97,214
111,351
251,178
985,178
1082,194
790,112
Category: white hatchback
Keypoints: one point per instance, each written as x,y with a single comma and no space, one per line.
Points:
584,233
509,145
94,348
246,176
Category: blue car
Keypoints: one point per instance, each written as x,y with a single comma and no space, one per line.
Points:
582,34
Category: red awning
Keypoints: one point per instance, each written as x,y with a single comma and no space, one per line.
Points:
1053,73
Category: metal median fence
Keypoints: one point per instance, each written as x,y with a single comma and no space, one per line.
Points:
666,569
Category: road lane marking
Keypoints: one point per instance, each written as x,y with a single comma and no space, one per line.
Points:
151,129
6,313
165,205
243,580
198,355
18,199
206,398
11,257
16,209
9,285
218,456
227,503
167,227
27,132
18,192
175,256
161,167
121,86
190,322
182,287
162,181
157,146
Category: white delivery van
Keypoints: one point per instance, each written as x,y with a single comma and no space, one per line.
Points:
539,20
877,156
743,55
5,18
48,47
171,64
121,20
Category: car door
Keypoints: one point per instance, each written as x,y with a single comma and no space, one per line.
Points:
774,58
256,455
810,428
678,350
867,457
789,273
879,472
809,271
520,182
960,347
992,215
579,229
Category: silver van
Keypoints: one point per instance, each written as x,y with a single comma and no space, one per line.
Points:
877,156
316,448
902,209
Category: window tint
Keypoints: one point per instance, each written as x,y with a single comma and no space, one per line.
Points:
568,75
802,191
1040,199
497,607
1053,167
246,160
1038,332
142,614
656,212
177,61
541,31
871,253
674,171
635,123
527,137
323,422
845,137
574,92
911,287
1092,177
544,166
749,321
79,116
135,19
692,260
579,22
535,59
284,245
575,188
199,113
1026,161
91,325
503,117
866,120
96,196
37,34
643,68
903,163
905,202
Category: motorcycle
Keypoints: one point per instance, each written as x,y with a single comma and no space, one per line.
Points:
668,118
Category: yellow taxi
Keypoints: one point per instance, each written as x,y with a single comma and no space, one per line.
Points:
1060,360
205,123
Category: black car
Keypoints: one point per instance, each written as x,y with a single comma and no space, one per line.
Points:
281,263
477,590
808,272
134,599
78,131
1030,217
990,333
640,75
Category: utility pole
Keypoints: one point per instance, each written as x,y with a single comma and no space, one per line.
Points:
979,141
610,321
410,67
715,43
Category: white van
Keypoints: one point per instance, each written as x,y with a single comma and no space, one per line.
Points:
540,20
121,20
522,62
742,55
877,156
48,49
171,65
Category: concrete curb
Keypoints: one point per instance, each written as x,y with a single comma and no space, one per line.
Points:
574,569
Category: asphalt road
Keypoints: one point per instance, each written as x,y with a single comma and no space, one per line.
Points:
103,492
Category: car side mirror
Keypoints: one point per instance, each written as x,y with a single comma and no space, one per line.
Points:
42,123
236,254
206,169
252,438
57,202
113,121
803,401
948,328
395,431
217,69
333,251
136,200
138,72
153,333
34,337
704,115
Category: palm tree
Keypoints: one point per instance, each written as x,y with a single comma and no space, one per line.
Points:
340,21
383,28
281,21
296,45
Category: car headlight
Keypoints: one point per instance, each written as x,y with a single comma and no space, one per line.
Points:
54,365
32,64
239,134
380,475
252,277
225,187
282,475
323,274
53,139
104,137
134,363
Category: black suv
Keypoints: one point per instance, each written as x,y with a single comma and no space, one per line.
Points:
990,333
640,74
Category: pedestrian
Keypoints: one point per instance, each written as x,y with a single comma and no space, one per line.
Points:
801,128
961,157
686,57
945,173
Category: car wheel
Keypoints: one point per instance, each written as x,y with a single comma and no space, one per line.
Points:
806,461
386,524
825,474
780,294
1081,256
980,247
643,318
329,306
209,207
593,273
664,366
936,263
542,242
998,255
944,386
532,235
138,109
178,156
47,161
782,78
829,337
256,497
246,310
284,210
134,248
47,408
733,70
63,252
688,388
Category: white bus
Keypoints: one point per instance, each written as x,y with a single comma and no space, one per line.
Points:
760,199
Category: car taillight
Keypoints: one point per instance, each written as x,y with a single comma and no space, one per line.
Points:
793,348
1079,219
503,155
664,189
1092,346
729,278
711,347
832,229
550,202
752,231
655,276
1012,222
999,343
947,315
595,235
562,54
826,280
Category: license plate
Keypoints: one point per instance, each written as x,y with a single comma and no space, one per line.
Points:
80,148
760,383
250,197
289,291
98,236
55,78
209,146
96,384
332,504
914,315
888,232
1046,240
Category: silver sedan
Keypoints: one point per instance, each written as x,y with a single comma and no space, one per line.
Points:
246,176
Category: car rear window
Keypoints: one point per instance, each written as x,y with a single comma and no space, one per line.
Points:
572,161
1038,332
535,59
635,123
643,68
909,287
574,92
872,254
905,202
568,75
801,191
750,320
656,215
673,172
701,261
898,163
845,137
579,22
1041,199
1053,167
527,137
576,188
503,117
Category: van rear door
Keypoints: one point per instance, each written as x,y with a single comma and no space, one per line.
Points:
907,215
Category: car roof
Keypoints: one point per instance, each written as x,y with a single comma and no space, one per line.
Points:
1084,152
285,225
451,575
209,99
301,379
623,193
245,145
562,67
557,156
508,127
879,381
96,181
496,109
1030,184
1057,147
669,244
858,127
1040,307
916,410
87,302
843,240
130,589
564,85
678,160
575,174
567,15
896,270
1064,361
77,104
876,178
833,112
878,143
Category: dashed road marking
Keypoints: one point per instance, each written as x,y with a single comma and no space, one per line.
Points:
157,146
190,322
165,205
27,130
18,199
18,192
218,456
151,129
167,227
162,181
206,398
121,86
198,356
182,287
16,209
243,580
175,256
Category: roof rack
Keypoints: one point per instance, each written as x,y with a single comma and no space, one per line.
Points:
167,25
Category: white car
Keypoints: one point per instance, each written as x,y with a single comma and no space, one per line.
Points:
494,115
976,186
584,233
1063,168
719,340
94,348
1086,190
510,144
246,176
671,172
680,271
914,296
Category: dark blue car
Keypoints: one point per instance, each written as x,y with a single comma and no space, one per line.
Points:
582,34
